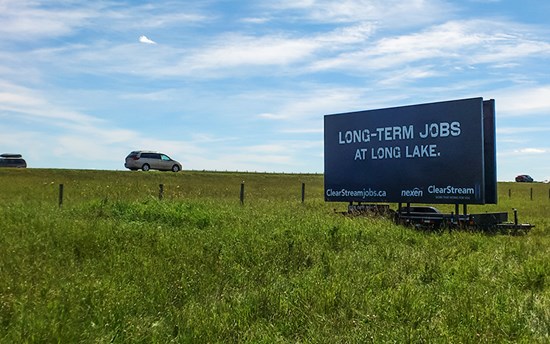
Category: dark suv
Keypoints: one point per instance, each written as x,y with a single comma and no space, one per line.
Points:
524,178
149,160
12,160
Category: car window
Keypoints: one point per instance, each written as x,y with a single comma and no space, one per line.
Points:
165,157
12,162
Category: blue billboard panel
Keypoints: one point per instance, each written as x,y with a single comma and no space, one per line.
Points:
426,153
490,152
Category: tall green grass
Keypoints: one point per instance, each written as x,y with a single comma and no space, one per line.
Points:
116,264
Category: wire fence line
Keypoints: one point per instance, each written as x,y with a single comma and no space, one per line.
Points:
161,193
531,194
511,194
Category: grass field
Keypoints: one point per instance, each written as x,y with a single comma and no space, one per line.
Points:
115,264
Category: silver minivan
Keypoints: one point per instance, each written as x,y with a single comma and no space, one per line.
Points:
149,160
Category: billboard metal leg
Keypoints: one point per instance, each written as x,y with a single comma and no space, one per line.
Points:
408,212
457,212
398,215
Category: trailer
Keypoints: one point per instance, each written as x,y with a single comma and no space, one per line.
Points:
410,154
429,217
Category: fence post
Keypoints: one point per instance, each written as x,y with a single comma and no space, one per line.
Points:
509,193
531,194
60,195
303,192
242,193
161,191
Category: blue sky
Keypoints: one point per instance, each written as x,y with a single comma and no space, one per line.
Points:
244,85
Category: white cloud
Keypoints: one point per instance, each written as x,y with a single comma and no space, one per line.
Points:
24,20
521,101
301,60
521,130
531,151
455,44
239,50
523,152
388,13
318,130
269,116
346,35
401,77
62,131
314,103
32,20
163,20
30,104
256,20
146,40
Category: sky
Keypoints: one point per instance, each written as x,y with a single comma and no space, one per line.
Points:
244,85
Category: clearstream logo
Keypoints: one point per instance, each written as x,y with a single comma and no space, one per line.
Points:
416,192
365,193
450,190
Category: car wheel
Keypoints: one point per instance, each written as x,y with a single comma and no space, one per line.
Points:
145,167
175,168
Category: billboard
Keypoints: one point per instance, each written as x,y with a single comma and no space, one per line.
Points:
440,152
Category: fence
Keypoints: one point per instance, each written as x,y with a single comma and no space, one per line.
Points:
522,193
511,194
161,193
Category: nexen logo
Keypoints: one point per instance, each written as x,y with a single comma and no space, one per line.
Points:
416,192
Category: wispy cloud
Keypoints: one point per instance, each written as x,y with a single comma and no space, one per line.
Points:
354,48
256,20
522,130
531,151
24,20
310,104
146,40
524,152
242,50
248,88
456,43
23,102
523,100
31,20
410,13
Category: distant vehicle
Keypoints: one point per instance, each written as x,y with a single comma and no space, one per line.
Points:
524,178
149,160
12,160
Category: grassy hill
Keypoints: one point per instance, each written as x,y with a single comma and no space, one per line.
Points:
117,264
